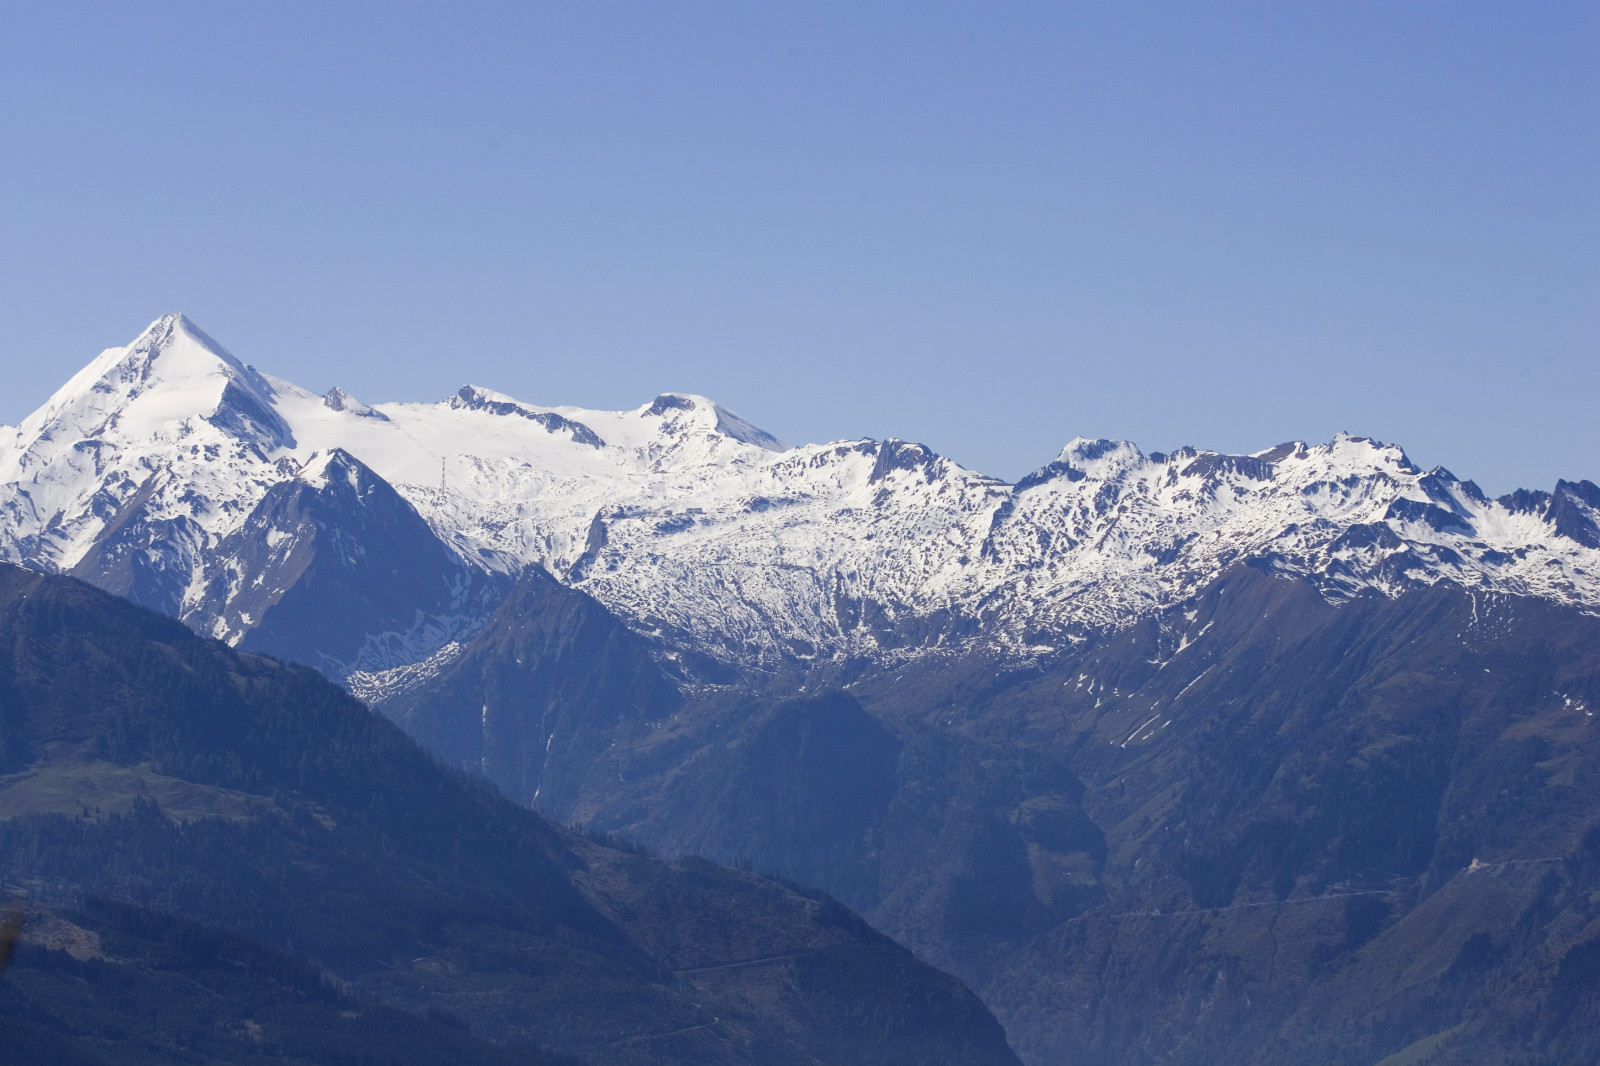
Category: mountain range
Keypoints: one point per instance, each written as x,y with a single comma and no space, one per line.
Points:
1172,758
170,472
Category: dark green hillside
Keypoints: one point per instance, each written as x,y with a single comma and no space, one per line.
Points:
144,765
112,983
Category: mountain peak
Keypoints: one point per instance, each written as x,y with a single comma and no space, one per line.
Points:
1369,450
158,331
175,330
170,375
1101,458
732,425
317,462
709,414
336,399
475,398
334,464
667,402
164,325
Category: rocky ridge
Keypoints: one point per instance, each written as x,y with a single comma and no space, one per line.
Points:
147,471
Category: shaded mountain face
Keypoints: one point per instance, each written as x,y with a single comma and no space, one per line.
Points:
804,788
1258,827
538,695
144,765
146,556
965,842
561,705
334,569
1332,833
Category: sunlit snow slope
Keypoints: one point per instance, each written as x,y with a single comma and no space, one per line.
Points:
142,474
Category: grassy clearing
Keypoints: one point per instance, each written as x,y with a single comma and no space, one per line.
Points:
94,788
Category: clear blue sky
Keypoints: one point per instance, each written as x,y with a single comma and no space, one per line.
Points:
989,226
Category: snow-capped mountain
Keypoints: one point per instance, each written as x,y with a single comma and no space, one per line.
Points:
333,568
170,472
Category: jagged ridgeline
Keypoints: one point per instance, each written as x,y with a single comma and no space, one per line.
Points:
171,472
229,855
1182,758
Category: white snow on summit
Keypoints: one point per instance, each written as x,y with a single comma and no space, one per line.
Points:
172,412
696,525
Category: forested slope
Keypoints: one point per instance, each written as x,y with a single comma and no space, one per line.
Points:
145,766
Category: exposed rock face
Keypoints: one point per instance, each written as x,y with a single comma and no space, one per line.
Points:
335,569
